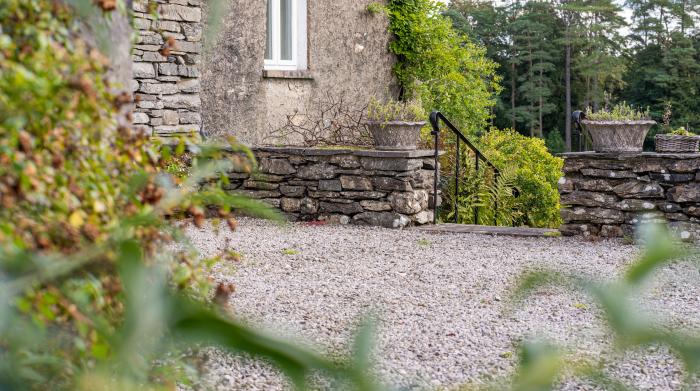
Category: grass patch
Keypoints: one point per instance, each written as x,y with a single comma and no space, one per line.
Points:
424,242
290,251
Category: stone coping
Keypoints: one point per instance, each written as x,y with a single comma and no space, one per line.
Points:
629,155
307,151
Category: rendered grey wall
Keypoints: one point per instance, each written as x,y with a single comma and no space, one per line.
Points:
348,56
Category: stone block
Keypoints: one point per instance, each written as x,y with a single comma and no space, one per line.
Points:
587,198
611,231
424,217
180,13
143,70
330,185
158,88
391,184
636,189
599,173
685,193
168,25
592,215
171,117
292,191
355,183
273,202
253,184
308,206
409,202
317,171
685,165
579,229
671,178
189,117
189,86
595,184
636,205
376,206
362,195
346,161
422,179
277,166
153,57
391,164
290,204
181,101
565,185
140,5
260,194
192,31
168,69
140,118
324,194
343,208
258,176
382,219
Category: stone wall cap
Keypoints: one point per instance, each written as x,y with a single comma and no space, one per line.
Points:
309,151
628,155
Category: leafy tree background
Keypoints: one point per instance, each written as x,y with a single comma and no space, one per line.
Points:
558,56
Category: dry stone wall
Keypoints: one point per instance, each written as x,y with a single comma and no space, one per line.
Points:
166,58
608,194
389,189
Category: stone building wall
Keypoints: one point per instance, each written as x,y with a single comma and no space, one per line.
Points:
608,194
389,189
348,57
166,61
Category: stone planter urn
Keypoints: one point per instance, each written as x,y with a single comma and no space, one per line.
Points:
395,135
618,136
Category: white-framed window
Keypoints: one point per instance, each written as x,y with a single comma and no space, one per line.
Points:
286,35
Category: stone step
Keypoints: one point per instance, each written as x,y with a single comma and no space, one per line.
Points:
488,230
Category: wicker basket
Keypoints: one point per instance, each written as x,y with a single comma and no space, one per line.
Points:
677,143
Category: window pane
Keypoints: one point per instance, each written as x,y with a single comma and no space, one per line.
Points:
286,29
268,46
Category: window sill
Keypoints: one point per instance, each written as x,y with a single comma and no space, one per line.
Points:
280,74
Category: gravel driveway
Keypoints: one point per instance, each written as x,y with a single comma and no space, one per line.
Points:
440,300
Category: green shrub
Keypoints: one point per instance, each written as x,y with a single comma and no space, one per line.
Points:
536,174
444,69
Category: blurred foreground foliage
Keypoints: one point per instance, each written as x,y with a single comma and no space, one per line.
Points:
91,290
92,294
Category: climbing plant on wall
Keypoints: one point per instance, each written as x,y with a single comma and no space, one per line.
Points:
442,67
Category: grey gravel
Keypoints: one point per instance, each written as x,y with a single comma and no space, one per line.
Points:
441,301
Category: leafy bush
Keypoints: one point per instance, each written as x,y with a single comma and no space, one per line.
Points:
619,112
536,174
444,69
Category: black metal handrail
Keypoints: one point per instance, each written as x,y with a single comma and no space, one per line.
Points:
435,118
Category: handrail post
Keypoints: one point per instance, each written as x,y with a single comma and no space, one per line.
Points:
495,203
476,209
456,201
436,133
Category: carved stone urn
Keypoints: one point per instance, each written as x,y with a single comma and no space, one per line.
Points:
395,135
618,136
